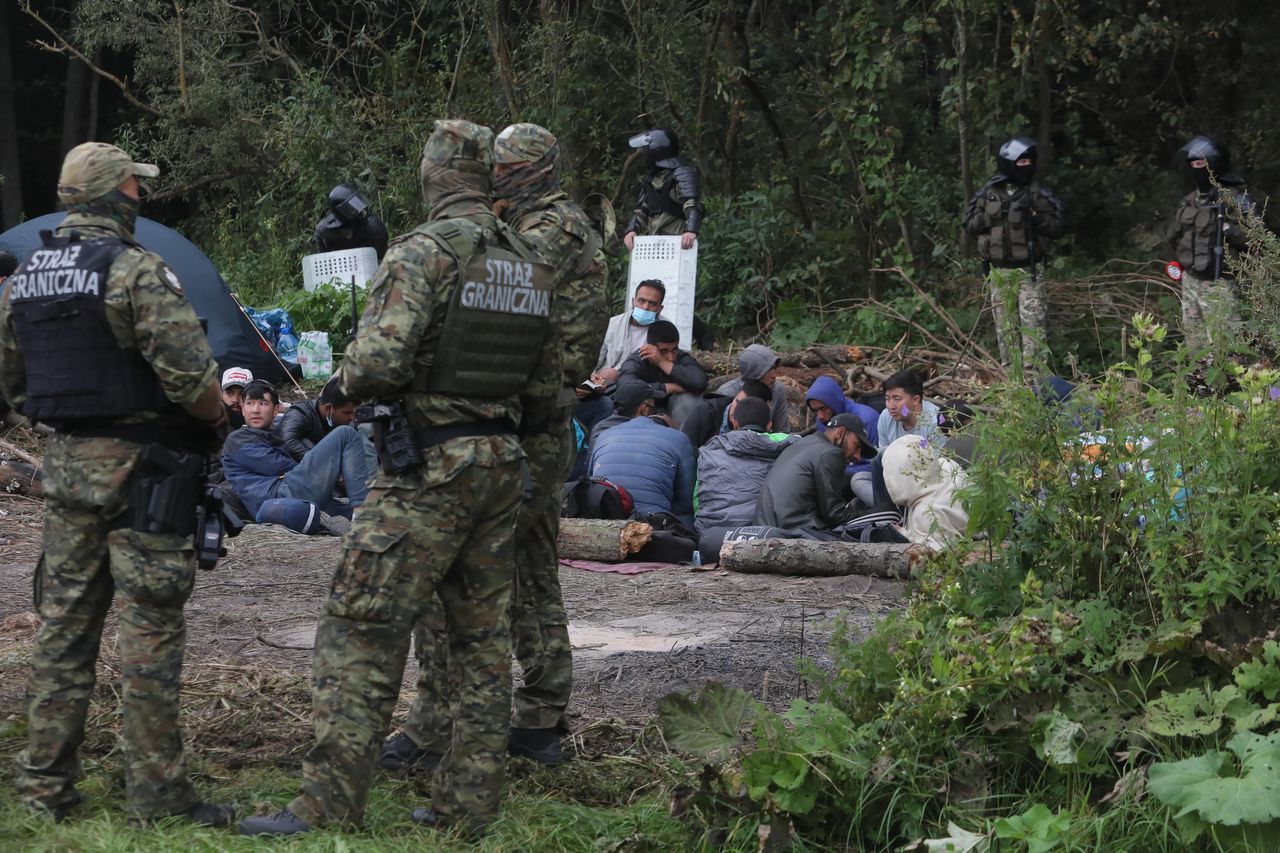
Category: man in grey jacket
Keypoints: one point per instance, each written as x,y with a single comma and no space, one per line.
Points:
306,422
759,362
805,488
732,467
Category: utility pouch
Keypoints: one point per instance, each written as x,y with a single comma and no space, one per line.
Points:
164,491
398,449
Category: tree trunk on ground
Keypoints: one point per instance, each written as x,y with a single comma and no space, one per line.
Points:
818,559
601,540
10,164
20,478
833,357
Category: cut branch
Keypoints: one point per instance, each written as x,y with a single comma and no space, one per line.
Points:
819,559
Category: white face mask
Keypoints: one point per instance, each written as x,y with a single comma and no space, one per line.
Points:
329,421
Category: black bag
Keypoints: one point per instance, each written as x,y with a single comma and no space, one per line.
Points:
874,527
596,497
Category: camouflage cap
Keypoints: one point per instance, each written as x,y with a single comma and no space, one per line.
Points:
93,169
523,143
460,145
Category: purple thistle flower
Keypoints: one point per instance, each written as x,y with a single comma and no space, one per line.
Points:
905,410
924,444
1274,393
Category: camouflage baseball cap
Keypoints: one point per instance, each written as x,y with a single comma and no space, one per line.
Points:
93,169
523,143
460,145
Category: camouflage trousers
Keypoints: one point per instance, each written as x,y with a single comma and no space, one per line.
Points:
436,543
539,624
1021,287
83,567
1210,310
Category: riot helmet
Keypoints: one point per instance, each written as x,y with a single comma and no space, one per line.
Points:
660,144
1018,148
1215,156
348,204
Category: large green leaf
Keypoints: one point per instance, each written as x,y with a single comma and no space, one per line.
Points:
1058,739
711,725
1261,675
1188,712
1219,790
1040,829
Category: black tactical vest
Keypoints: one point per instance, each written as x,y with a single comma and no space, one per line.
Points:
495,327
660,196
75,368
1200,219
1012,238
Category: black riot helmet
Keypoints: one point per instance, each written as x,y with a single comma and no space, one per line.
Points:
348,204
1018,148
1215,155
660,144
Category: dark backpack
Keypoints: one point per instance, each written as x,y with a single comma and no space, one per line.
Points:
596,497
874,527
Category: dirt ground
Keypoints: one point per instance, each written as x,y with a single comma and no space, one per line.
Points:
251,625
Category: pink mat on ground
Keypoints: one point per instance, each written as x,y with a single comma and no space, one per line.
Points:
617,568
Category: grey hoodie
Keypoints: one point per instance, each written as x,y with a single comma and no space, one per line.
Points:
753,362
731,470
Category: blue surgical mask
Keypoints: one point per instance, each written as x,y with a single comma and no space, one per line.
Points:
644,316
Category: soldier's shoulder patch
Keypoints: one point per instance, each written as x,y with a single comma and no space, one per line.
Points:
169,277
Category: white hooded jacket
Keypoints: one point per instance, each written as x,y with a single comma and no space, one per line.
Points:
926,483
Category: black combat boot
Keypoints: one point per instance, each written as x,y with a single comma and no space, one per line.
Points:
540,745
401,753
214,815
283,822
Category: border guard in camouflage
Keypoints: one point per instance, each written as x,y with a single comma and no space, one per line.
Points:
1206,234
98,342
526,184
456,341
1013,218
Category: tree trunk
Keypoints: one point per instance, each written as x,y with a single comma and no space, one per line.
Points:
75,104
818,559
1044,91
10,163
20,478
601,540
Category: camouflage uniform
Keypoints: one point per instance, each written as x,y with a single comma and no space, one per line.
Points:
85,562
1210,305
437,537
1011,222
566,239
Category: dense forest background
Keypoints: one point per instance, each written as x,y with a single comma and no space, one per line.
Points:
835,139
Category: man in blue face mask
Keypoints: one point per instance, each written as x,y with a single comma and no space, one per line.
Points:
627,333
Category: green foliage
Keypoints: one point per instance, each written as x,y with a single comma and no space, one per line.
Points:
1241,786
1040,829
328,308
710,726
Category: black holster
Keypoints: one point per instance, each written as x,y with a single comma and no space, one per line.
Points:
398,449
164,491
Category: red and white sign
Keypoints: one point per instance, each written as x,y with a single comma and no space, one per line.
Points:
1173,269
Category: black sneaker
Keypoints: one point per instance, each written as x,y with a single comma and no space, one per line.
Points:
540,745
401,753
283,822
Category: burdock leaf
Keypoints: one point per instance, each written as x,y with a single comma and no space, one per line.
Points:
711,725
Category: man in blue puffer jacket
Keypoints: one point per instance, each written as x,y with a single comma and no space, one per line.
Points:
259,468
649,459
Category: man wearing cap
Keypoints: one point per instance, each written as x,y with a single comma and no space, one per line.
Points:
98,342
234,381
645,456
456,335
805,488
526,186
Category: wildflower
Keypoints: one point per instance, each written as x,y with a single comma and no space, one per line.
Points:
905,410
1274,393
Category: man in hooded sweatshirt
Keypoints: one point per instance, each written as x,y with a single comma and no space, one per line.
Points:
759,362
826,400
927,485
732,467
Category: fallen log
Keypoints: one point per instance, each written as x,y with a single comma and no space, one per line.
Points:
8,448
600,540
717,363
818,559
20,478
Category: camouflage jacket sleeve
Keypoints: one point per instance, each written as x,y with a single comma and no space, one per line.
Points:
148,311
13,371
976,220
380,361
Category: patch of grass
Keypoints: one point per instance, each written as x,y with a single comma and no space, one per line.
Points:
535,816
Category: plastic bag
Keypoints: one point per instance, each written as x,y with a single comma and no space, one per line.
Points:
277,327
315,355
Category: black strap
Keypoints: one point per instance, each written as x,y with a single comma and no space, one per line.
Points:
431,436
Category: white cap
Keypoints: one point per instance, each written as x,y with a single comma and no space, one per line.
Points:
234,376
